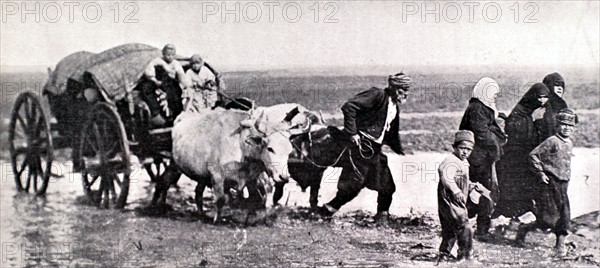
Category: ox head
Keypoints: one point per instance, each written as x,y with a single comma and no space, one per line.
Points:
272,141
300,120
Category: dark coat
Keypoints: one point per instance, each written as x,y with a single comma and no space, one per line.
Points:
367,112
546,127
488,134
519,125
515,179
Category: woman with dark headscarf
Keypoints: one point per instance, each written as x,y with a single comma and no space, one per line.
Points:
546,127
514,175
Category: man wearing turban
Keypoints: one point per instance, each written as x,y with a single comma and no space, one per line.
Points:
371,119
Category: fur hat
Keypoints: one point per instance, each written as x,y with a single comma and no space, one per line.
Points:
464,135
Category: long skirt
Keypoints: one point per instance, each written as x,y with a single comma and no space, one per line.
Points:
515,183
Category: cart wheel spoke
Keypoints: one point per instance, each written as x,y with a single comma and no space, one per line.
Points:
101,185
111,187
29,135
106,194
155,169
99,138
118,181
94,169
40,171
40,129
20,151
27,110
104,133
21,123
91,143
28,180
22,168
94,180
35,175
20,134
34,115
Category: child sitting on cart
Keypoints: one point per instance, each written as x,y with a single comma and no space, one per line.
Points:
203,81
161,86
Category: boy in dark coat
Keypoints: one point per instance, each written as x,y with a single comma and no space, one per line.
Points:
551,162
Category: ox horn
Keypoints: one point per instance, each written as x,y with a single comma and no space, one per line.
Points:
257,123
291,114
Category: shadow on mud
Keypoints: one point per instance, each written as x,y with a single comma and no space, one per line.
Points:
361,219
181,208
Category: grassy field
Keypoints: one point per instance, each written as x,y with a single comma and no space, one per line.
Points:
433,92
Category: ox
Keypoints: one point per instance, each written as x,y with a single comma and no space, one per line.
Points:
224,147
316,147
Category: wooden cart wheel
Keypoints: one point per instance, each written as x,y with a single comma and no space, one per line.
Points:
104,158
156,169
30,144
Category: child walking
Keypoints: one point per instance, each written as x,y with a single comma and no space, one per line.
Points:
452,198
551,162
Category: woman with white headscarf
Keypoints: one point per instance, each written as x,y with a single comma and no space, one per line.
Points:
480,118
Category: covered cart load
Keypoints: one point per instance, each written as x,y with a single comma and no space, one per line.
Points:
113,71
80,77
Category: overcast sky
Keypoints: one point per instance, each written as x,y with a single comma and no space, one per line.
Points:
352,33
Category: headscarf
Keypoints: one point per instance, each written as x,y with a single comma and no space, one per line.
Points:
484,91
556,102
196,59
400,80
530,99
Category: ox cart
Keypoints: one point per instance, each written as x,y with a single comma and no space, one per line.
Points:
96,112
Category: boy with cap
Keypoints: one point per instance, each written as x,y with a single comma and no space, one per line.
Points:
452,198
551,162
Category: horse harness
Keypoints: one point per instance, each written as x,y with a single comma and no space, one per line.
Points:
365,149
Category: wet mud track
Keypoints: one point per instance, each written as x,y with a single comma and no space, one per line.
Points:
61,229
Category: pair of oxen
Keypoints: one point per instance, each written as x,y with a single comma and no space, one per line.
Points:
238,153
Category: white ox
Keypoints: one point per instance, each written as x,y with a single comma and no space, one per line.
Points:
225,146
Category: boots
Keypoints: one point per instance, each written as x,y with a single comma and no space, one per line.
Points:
464,254
382,217
327,210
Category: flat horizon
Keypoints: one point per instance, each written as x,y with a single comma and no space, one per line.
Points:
371,69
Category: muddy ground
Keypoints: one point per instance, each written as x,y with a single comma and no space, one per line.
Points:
62,230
